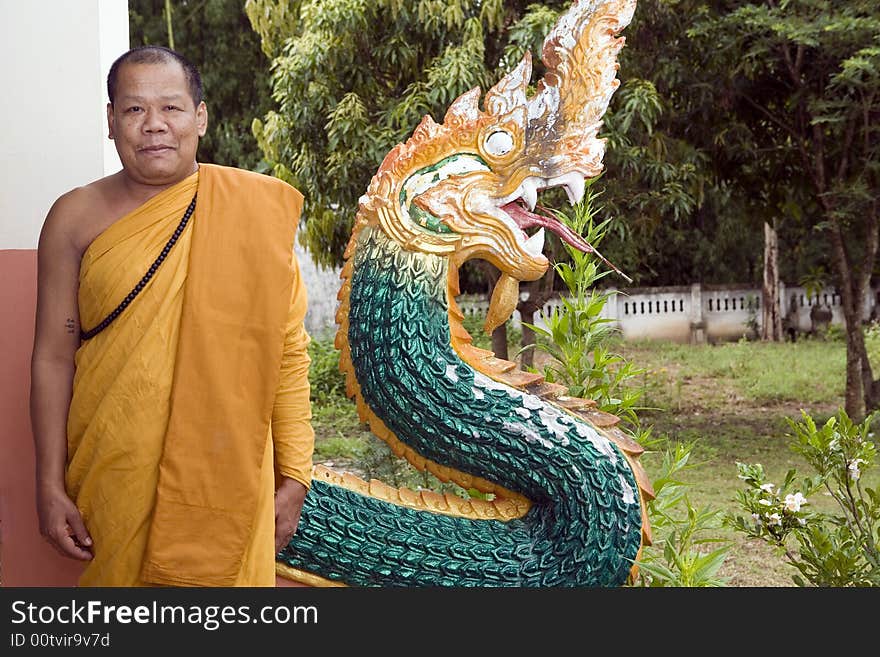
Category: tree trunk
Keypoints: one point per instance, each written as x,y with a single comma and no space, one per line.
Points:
168,24
851,300
771,315
870,387
540,292
854,398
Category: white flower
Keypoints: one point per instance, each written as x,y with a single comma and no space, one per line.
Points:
765,502
854,471
802,522
774,519
794,502
767,488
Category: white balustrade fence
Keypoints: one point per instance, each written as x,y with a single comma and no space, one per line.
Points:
687,313
696,313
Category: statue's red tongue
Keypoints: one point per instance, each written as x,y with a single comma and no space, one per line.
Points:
524,218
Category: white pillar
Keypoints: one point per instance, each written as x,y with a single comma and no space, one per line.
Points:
56,55
611,311
698,324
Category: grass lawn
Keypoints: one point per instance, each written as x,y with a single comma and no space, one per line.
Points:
730,400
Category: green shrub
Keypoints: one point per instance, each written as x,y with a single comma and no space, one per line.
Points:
577,338
685,552
326,381
827,549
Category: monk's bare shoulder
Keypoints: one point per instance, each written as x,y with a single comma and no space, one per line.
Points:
78,216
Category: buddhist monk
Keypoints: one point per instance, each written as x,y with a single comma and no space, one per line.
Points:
170,394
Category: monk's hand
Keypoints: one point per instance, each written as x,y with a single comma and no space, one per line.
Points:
289,500
61,524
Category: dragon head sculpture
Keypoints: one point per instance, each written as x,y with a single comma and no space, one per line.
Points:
467,187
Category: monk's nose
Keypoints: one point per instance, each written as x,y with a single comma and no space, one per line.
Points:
154,122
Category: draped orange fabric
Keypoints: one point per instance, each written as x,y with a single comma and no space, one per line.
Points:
187,406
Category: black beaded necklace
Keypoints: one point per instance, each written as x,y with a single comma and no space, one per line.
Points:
85,335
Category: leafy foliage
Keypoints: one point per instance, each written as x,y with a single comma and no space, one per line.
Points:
671,214
685,553
351,79
575,334
833,549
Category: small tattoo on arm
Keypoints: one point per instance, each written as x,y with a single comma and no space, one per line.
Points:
70,325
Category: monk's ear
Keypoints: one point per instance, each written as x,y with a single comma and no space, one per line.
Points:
202,118
110,120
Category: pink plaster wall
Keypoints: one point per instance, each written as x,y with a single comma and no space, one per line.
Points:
25,558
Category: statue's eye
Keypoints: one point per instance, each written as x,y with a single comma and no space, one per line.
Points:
499,143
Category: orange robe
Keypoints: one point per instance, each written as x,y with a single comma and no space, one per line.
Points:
196,397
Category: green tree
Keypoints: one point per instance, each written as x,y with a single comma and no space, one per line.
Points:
216,36
352,79
671,214
803,78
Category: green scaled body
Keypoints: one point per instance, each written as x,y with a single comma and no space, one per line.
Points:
584,526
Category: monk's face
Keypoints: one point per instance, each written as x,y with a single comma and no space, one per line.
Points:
155,123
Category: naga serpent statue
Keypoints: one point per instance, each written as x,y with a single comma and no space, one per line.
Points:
565,493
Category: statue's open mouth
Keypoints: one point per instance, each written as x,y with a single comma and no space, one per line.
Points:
522,210
526,219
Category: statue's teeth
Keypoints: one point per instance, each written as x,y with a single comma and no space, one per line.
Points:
529,192
574,186
534,246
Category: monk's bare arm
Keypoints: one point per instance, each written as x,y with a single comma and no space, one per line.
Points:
56,339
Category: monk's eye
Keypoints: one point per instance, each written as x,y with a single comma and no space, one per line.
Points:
499,143
133,108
